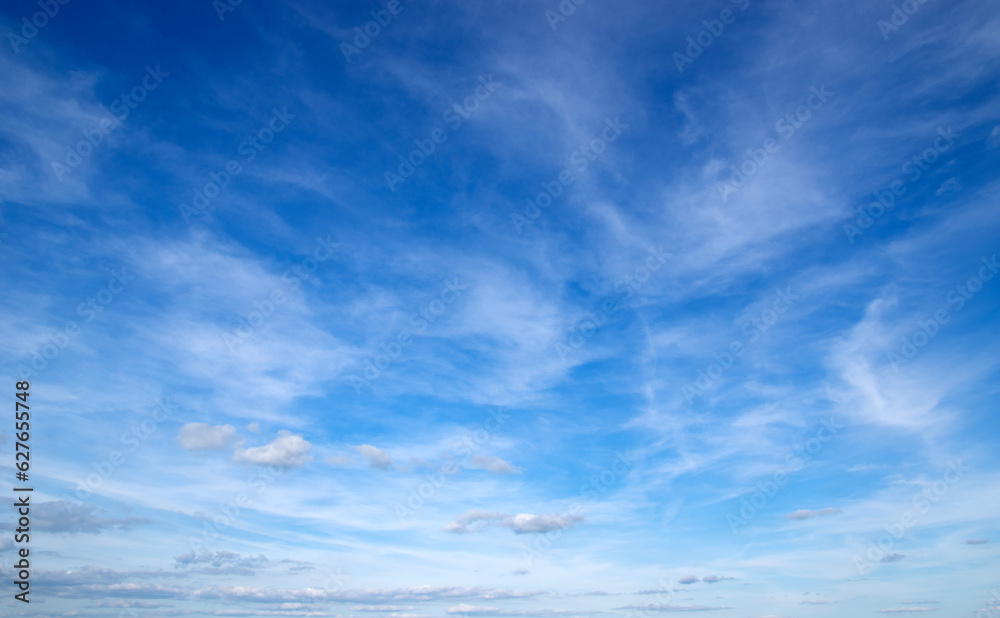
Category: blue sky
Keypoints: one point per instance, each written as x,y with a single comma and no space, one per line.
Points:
430,308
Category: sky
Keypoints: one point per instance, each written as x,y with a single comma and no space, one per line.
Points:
535,308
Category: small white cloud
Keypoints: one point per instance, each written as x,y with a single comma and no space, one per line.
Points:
657,607
475,516
711,579
288,449
340,460
493,464
254,427
205,437
376,457
524,523
864,468
465,608
807,514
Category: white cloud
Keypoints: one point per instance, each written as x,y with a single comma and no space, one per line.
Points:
288,449
221,558
205,437
73,518
807,514
672,608
493,464
475,516
522,523
711,579
472,610
366,596
375,456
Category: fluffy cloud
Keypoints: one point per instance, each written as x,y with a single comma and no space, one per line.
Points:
376,457
493,464
522,523
205,437
807,514
288,449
